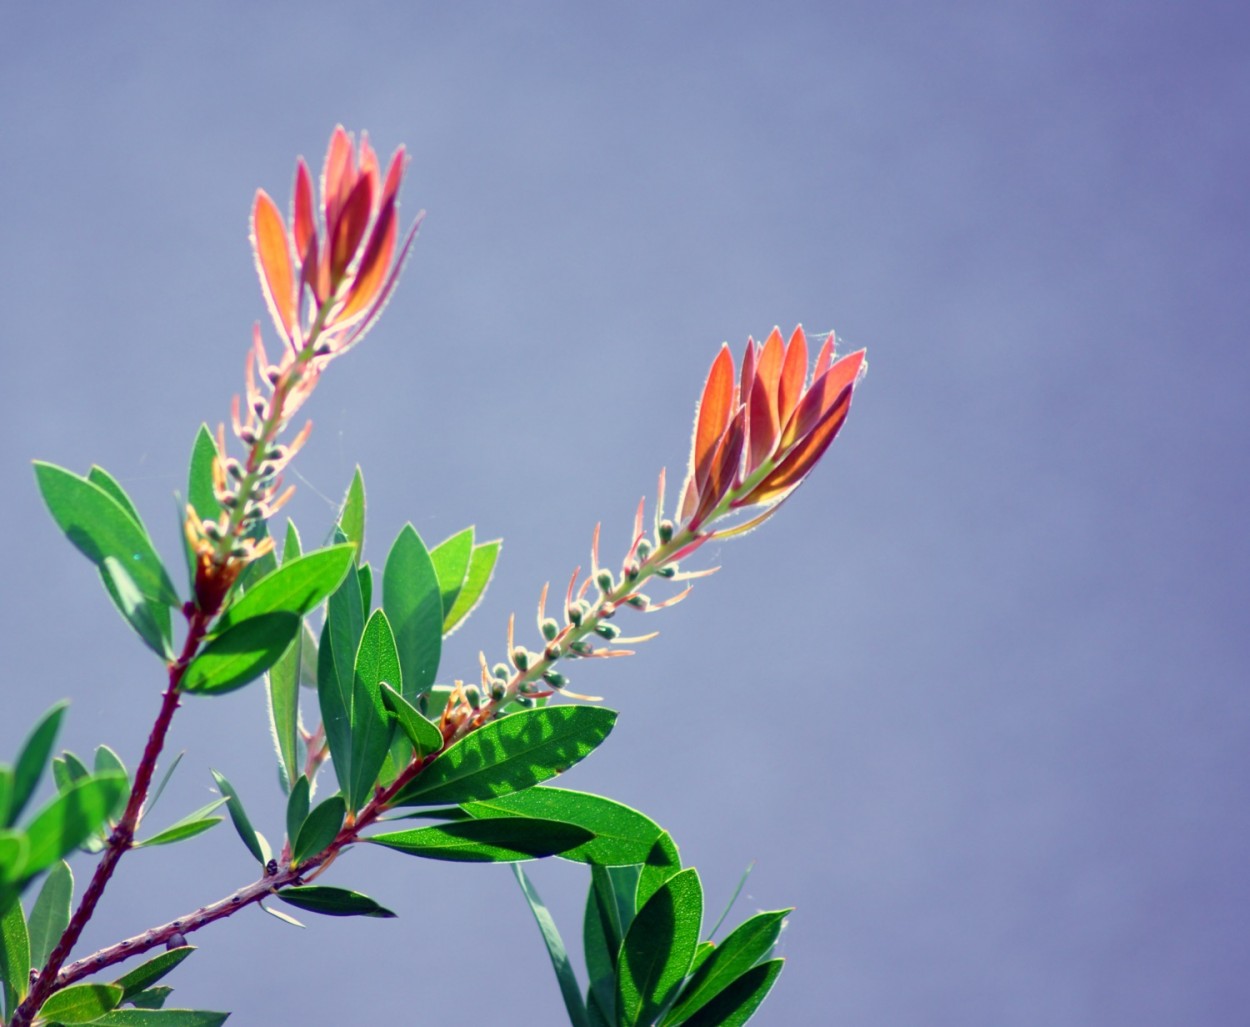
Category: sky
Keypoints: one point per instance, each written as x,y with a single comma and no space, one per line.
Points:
974,702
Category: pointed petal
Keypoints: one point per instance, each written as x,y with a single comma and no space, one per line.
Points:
793,375
768,367
799,462
723,472
763,427
747,377
303,222
715,409
689,500
394,175
337,176
273,262
379,304
824,392
825,358
374,265
346,233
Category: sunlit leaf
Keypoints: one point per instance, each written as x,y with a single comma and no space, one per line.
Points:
423,734
238,816
352,515
736,1004
49,916
72,817
80,1003
241,653
412,599
319,828
333,901
298,586
481,567
658,949
451,564
33,758
565,977
502,840
146,974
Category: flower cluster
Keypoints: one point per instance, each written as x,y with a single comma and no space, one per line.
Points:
326,284
758,434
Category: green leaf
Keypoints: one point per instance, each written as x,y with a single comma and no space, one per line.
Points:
6,796
240,654
291,546
80,1003
333,901
365,573
66,769
298,586
736,1004
297,806
161,1018
412,599
146,974
319,828
352,515
508,755
451,563
14,850
72,817
371,727
148,617
423,734
746,945
599,1017
481,567
14,957
152,998
622,835
658,949
238,816
189,826
99,476
336,665
201,495
160,788
565,977
609,912
282,692
49,916
663,862
98,526
502,840
107,760
32,759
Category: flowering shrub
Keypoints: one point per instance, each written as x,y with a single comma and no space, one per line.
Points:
476,756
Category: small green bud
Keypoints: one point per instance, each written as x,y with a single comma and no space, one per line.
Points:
608,631
550,629
498,690
553,651
639,601
606,610
521,658
501,671
667,572
525,702
604,580
631,570
580,648
473,695
666,531
555,679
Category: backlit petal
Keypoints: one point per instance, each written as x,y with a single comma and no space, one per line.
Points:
273,263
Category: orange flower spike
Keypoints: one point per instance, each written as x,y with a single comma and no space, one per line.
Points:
822,395
716,406
793,375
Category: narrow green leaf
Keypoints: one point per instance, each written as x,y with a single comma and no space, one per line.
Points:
298,586
481,567
565,977
622,835
6,796
297,807
14,957
599,1016
32,759
99,476
508,755
196,822
732,899
658,949
279,915
72,817
423,734
282,693
336,673
737,1003
161,1018
609,912
80,1003
240,654
98,526
238,816
146,974
148,617
365,573
451,563
352,514
107,760
371,727
291,546
179,832
49,916
705,949
502,840
413,602
663,862
319,828
333,901
748,944
201,496
160,788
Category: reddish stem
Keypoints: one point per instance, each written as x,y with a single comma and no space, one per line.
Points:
122,836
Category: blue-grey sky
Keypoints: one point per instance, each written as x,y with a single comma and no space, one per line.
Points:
975,702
